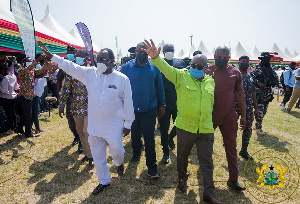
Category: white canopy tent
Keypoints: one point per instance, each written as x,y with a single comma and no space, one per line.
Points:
255,53
288,54
239,51
275,48
205,51
295,54
77,36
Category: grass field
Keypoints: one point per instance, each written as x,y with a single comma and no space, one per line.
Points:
48,169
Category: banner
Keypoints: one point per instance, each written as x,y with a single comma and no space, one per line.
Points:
23,17
87,40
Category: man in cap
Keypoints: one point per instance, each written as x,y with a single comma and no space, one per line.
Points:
109,104
266,78
289,83
148,100
195,98
171,100
229,85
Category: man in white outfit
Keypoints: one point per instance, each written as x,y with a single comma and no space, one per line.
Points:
110,101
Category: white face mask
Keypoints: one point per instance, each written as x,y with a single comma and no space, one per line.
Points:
101,67
28,63
38,66
169,55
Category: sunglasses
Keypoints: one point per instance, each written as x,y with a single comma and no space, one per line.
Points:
196,66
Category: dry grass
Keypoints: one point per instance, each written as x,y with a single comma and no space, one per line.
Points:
54,173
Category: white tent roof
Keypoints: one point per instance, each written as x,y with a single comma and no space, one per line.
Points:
181,53
213,51
239,51
204,50
295,54
192,50
7,15
53,25
275,48
288,54
255,53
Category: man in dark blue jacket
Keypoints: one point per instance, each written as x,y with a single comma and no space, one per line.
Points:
171,107
148,101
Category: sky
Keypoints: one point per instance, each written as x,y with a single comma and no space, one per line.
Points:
259,23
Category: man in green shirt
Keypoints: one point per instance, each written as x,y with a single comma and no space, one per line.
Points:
195,99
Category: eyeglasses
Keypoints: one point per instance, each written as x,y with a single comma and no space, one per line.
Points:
197,66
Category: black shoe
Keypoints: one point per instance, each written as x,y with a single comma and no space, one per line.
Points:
211,200
20,132
84,159
235,186
171,144
165,159
152,172
91,161
120,170
80,149
182,186
75,141
99,188
245,155
135,158
32,135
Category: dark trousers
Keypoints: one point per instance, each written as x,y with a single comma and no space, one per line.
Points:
204,143
25,115
36,111
229,133
71,121
144,124
287,95
9,106
164,128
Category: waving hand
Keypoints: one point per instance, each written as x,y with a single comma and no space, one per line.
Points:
151,50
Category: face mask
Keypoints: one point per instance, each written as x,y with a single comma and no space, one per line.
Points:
70,57
221,63
169,55
101,67
38,67
28,63
197,74
265,60
142,57
79,61
16,70
244,66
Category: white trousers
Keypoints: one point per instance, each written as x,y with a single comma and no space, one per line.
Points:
98,148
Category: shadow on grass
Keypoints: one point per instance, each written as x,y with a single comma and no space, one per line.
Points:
272,141
14,144
295,114
66,179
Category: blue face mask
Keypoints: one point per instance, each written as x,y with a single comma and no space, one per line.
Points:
16,70
196,73
79,61
38,67
70,57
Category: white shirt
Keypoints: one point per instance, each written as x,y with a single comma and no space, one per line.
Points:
39,87
110,98
8,86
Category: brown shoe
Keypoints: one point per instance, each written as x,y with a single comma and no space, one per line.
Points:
212,200
99,188
37,131
182,186
120,170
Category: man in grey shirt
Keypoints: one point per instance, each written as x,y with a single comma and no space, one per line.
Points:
296,91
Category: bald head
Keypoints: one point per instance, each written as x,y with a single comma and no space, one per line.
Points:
200,59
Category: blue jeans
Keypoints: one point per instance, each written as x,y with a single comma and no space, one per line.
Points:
36,111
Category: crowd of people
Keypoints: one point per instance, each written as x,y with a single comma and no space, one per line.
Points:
106,102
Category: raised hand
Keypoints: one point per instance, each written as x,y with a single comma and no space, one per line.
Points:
151,50
45,50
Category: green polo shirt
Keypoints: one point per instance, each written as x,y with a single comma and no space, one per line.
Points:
195,99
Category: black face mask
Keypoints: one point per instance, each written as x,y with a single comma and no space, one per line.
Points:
142,57
265,60
244,66
221,63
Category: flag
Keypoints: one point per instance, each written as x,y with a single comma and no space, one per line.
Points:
23,16
87,40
